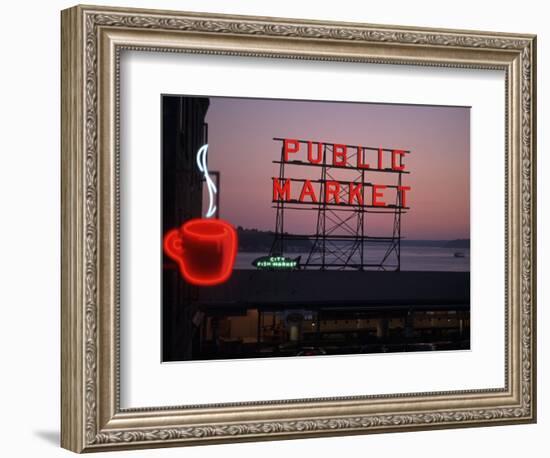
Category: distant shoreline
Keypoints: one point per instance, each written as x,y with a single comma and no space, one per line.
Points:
254,240
456,243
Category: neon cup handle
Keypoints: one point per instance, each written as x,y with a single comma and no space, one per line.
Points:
173,245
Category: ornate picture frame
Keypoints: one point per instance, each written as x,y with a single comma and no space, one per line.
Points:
92,40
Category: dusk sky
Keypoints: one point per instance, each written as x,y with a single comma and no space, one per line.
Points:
242,148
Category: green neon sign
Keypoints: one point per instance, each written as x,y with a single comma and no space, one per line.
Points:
276,263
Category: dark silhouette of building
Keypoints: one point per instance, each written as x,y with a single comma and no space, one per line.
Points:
184,131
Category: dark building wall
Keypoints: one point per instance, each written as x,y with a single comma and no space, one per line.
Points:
184,131
341,289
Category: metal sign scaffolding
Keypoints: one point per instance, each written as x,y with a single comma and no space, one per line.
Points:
341,238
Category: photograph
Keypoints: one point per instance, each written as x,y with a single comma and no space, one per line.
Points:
295,228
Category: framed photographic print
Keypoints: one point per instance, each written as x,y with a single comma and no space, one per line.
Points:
278,228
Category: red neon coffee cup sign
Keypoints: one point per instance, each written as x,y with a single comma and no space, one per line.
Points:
204,249
340,192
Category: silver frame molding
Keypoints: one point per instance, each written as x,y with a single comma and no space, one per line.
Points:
92,39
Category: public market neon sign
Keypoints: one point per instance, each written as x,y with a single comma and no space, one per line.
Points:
339,192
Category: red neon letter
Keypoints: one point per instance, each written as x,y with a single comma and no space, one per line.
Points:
380,153
339,155
281,193
290,146
356,192
332,188
376,195
360,159
319,157
307,190
402,190
394,164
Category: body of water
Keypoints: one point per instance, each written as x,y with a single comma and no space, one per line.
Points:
417,258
